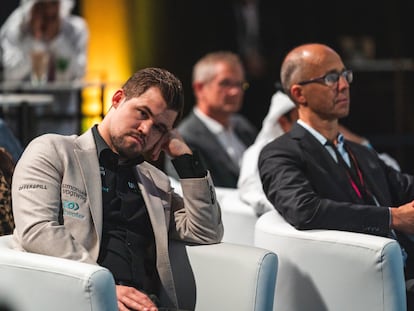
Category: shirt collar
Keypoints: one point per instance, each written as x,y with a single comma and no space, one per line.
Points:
314,132
214,126
99,141
319,136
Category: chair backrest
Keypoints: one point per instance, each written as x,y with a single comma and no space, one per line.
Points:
332,270
36,282
239,219
222,276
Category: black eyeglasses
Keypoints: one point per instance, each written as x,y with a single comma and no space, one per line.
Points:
331,78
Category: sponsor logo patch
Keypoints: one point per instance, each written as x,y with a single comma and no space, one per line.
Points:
73,192
71,209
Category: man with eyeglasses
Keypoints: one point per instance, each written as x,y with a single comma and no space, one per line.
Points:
214,128
318,180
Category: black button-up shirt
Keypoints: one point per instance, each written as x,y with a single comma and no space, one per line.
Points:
127,247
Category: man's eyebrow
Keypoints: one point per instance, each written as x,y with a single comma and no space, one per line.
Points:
147,110
337,71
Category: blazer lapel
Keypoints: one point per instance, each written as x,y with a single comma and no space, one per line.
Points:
89,166
311,147
202,133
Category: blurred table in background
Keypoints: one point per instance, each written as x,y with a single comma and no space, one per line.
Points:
23,102
53,107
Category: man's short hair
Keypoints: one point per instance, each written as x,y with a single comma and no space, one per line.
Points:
204,70
170,86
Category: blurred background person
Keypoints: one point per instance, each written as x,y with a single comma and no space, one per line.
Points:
41,42
214,128
280,118
385,157
48,24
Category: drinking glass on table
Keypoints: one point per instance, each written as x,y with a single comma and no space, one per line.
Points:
40,64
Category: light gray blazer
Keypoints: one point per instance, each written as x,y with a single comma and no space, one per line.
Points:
57,204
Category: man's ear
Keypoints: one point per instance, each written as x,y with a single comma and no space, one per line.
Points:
117,98
197,88
296,91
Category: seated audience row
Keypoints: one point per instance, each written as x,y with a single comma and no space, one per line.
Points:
318,175
307,170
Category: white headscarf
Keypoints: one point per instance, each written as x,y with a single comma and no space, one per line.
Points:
249,183
279,105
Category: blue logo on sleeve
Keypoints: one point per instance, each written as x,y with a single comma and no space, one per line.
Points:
70,205
71,209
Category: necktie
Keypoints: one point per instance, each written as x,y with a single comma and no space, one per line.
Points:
354,174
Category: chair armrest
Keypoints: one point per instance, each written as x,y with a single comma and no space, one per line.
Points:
37,282
332,270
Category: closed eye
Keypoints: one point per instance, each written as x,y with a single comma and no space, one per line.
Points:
160,128
147,114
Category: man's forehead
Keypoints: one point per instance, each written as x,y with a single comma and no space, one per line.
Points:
166,117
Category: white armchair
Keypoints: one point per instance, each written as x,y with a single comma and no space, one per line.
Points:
209,277
332,270
325,270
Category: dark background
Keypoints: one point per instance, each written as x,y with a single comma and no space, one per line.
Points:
381,102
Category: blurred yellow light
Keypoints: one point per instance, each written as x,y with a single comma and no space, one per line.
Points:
109,57
88,122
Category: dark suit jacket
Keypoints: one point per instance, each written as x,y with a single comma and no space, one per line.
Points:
311,191
223,170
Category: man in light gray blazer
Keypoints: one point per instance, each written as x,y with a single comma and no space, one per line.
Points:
93,198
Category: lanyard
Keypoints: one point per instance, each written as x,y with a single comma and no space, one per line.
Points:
354,174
